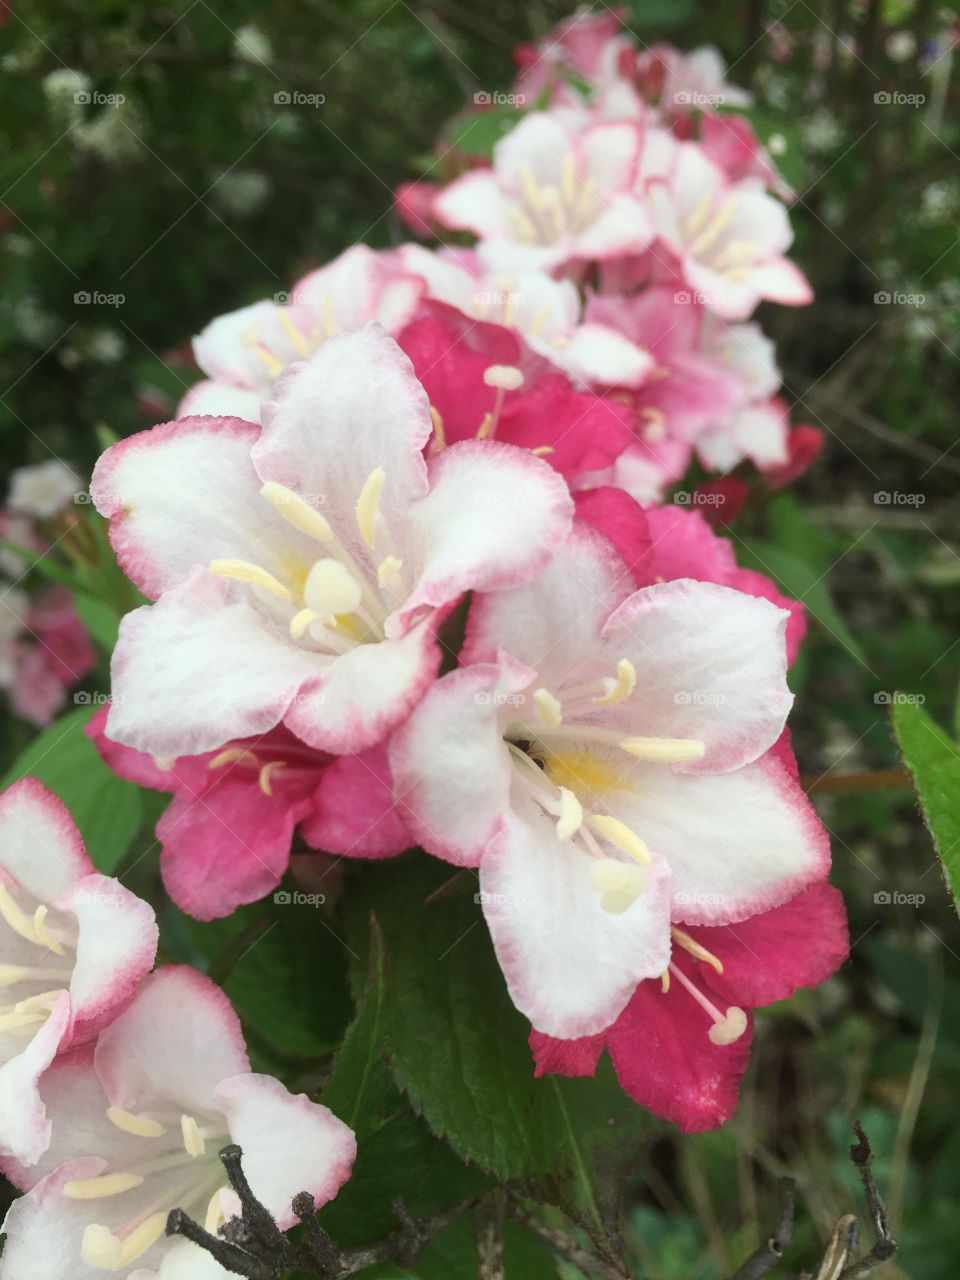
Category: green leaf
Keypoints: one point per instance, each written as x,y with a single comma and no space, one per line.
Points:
107,810
477,134
459,1050
100,620
804,582
934,764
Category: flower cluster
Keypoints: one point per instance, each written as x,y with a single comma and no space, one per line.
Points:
118,1089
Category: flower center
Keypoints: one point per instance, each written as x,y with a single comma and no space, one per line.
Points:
37,984
337,602
544,213
178,1172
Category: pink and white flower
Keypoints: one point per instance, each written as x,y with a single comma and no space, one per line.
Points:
658,1047
75,946
603,756
729,240
300,571
225,837
42,490
244,352
559,192
137,1127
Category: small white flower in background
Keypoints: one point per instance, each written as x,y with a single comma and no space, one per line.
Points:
42,490
251,45
63,89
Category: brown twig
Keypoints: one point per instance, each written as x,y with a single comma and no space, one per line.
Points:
762,1261
885,1246
564,1245
870,780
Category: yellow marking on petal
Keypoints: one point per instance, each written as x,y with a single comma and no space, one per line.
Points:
232,755
296,511
625,684
139,1241
505,377
621,836
571,815
367,504
138,1126
618,883
683,939
388,570
730,1028
664,750
17,919
439,433
542,450
300,344
244,571
548,708
193,1142
267,772
583,771
300,621
43,933
100,1248
111,1184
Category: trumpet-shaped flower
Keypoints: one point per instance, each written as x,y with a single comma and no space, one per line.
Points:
244,352
225,837
558,192
603,756
300,572
75,946
729,239
137,1127
661,1055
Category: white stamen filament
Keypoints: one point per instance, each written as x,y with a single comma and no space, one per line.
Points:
727,1027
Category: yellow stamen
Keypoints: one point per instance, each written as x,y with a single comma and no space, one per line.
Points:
111,1184
267,772
664,750
215,1215
297,511
683,939
542,450
300,344
138,1242
367,504
100,1248
665,981
388,570
13,1021
270,361
625,684
620,835
485,428
329,323
11,973
164,763
531,191
138,1126
331,589
439,434
548,708
618,883
193,1142
505,377
714,229
539,320
699,216
43,933
300,621
41,1003
18,920
232,755
571,815
244,571
568,178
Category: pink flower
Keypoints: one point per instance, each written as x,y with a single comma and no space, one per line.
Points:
729,239
245,351
300,571
666,1047
225,836
44,649
730,143
696,81
473,374
137,1127
544,311
76,945
603,756
558,192
585,46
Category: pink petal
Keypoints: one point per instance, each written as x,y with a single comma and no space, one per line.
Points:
353,811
